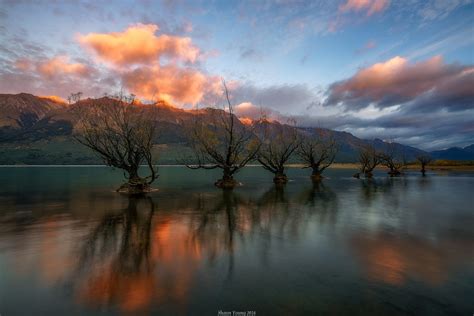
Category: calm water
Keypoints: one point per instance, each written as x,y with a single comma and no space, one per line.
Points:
69,245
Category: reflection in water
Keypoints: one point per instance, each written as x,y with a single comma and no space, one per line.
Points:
169,254
322,198
115,263
393,260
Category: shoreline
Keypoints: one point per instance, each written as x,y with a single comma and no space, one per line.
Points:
353,166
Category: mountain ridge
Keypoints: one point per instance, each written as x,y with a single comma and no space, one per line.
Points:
38,130
454,153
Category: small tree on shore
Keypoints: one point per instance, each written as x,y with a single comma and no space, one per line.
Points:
424,160
222,142
393,160
318,153
279,142
122,134
369,158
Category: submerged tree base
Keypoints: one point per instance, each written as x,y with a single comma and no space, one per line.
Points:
136,187
280,179
229,183
394,173
317,177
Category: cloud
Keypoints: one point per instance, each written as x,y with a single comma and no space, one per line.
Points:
138,44
54,98
154,67
251,111
370,6
367,47
60,65
432,10
282,98
58,76
170,83
54,67
248,53
423,86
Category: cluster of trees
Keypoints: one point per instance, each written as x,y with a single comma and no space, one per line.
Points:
123,134
224,142
395,161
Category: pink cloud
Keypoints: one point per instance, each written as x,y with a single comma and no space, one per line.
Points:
138,44
397,81
370,6
54,67
61,66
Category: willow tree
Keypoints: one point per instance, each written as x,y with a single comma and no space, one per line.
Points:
318,152
121,133
369,158
393,160
220,140
279,142
424,160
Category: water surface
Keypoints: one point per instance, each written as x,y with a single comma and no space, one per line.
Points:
400,246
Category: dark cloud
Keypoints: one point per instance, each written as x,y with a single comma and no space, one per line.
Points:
429,131
423,86
282,98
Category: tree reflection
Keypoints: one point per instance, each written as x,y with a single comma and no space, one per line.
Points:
321,198
125,235
127,249
115,265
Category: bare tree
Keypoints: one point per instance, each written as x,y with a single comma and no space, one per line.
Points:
424,160
220,140
393,160
279,142
318,153
122,134
74,97
369,158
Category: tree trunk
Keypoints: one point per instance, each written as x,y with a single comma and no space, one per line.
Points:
133,176
280,178
394,172
135,184
316,175
423,169
227,181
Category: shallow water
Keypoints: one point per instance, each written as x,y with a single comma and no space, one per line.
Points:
70,245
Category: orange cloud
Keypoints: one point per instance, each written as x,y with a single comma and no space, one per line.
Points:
53,98
246,120
170,83
60,66
247,112
138,44
23,64
371,6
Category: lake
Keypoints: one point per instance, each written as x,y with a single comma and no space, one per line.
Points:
389,246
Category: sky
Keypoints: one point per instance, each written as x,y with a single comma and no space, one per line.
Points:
395,70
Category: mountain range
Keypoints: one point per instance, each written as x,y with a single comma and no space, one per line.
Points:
39,130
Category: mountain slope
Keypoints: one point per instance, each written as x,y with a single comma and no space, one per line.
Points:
40,131
455,153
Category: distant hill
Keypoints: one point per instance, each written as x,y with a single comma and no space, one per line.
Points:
36,130
454,153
